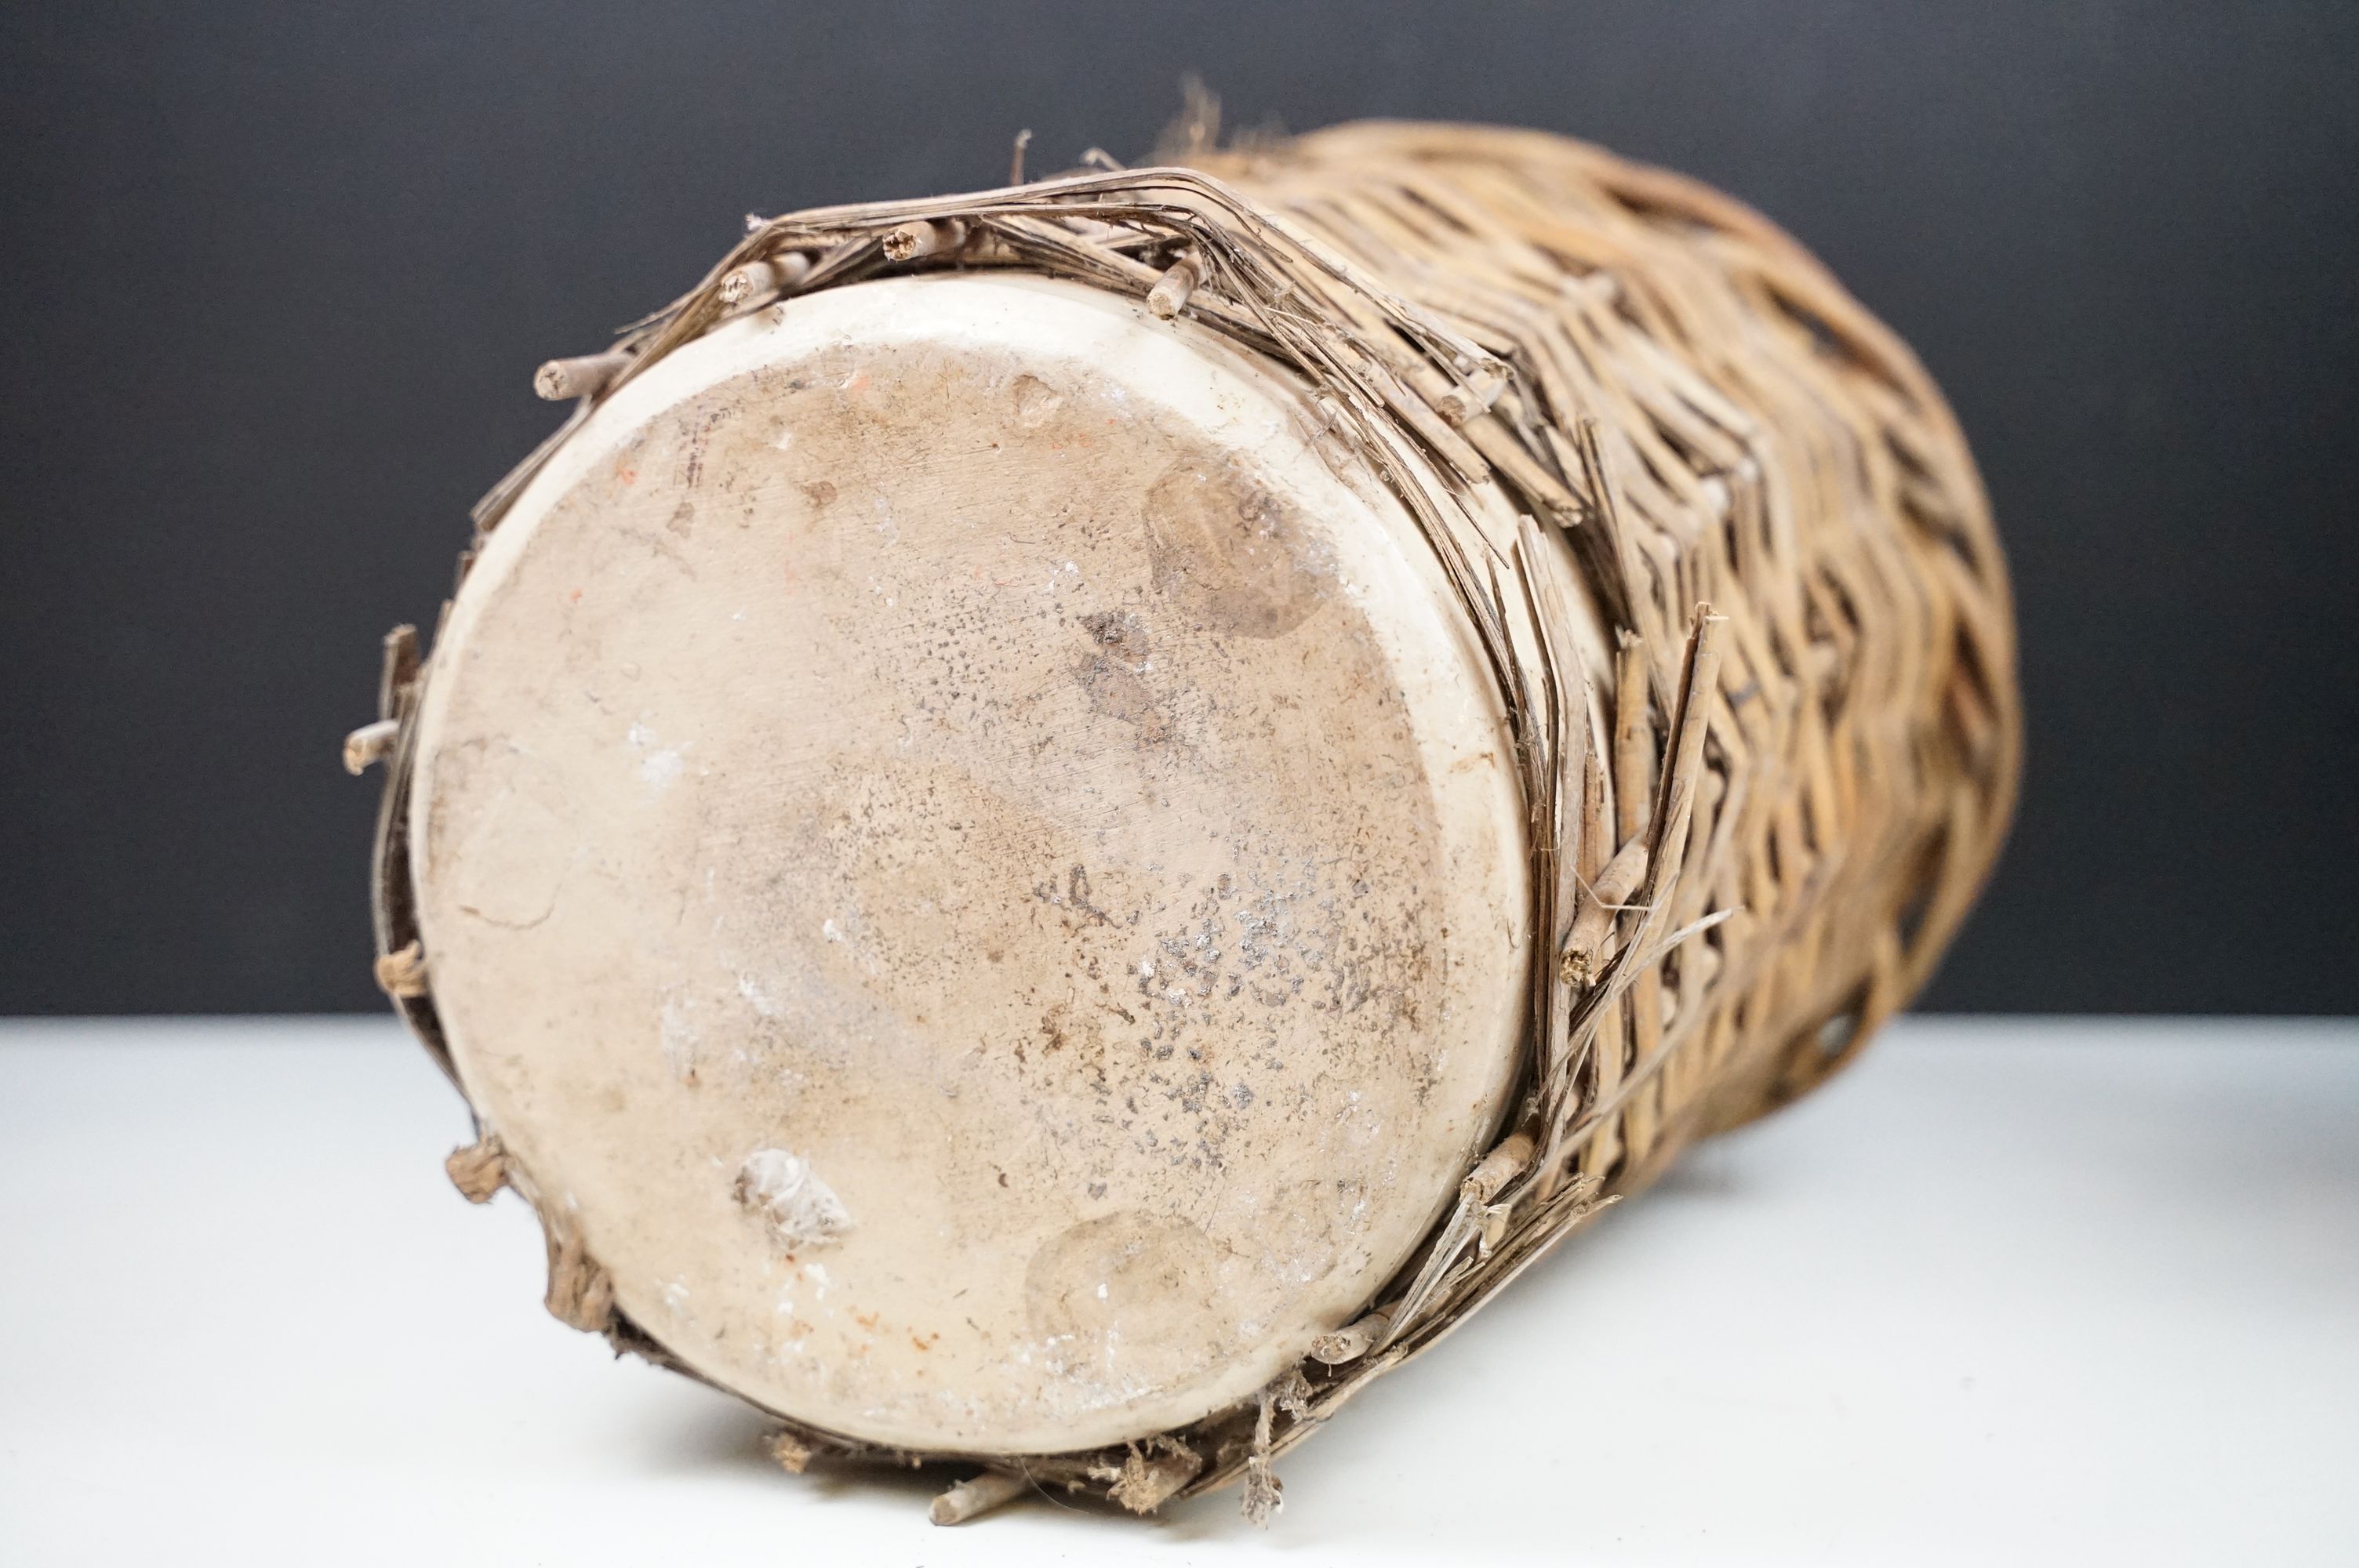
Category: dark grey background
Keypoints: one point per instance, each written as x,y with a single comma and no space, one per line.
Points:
276,278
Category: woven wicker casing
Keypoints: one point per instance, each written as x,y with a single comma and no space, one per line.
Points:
1814,730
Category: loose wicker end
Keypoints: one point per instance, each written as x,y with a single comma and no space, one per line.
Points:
759,282
369,744
402,972
973,1498
917,240
586,376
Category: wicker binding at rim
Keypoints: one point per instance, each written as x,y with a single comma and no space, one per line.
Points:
1812,731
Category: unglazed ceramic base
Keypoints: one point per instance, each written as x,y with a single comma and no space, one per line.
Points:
980,868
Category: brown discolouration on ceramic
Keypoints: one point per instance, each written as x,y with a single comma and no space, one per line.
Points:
1229,553
1055,815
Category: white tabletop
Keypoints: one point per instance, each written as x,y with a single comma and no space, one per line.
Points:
2012,1291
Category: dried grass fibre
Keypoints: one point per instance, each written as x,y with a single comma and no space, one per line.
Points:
1813,730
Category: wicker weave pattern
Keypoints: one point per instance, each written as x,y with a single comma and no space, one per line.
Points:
1755,834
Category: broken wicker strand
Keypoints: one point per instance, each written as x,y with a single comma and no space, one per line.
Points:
1150,1477
402,972
368,744
1169,295
969,1500
586,376
759,282
479,1169
1352,1341
916,241
792,1454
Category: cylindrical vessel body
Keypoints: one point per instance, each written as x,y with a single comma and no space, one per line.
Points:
1085,831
